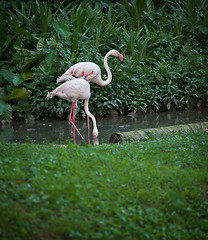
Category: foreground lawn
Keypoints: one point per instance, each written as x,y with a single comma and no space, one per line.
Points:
155,189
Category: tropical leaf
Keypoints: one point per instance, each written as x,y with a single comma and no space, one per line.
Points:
6,75
18,108
34,58
45,16
40,44
192,11
51,57
142,50
20,93
203,29
17,79
21,106
62,28
3,33
28,75
5,111
43,66
133,9
18,28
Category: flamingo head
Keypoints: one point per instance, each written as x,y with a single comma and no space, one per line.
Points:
95,133
120,56
116,54
49,95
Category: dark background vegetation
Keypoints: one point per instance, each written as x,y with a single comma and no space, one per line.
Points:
164,44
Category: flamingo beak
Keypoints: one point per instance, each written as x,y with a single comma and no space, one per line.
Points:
120,56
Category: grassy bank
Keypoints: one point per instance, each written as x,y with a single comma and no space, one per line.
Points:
154,189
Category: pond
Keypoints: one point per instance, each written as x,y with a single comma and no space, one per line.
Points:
59,131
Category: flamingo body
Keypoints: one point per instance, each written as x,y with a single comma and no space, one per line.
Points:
73,91
90,71
87,70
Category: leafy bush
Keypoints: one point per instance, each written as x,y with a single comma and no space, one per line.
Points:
162,69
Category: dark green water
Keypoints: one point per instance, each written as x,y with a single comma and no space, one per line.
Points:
58,131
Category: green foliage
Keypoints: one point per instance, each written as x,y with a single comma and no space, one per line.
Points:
15,93
5,111
155,189
194,14
165,57
133,10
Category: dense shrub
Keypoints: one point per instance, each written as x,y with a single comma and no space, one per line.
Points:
165,57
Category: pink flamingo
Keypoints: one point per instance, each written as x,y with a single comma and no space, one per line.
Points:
90,71
73,91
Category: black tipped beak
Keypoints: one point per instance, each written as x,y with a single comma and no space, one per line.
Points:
121,62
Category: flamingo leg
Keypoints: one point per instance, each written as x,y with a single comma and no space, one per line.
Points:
72,127
88,126
74,111
72,115
72,118
72,106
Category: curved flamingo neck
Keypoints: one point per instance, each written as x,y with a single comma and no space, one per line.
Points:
109,78
95,129
99,80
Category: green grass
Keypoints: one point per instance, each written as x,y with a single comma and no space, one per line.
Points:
155,189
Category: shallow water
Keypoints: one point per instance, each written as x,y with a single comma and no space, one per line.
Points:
59,131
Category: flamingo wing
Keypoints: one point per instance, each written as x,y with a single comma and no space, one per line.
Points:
86,70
